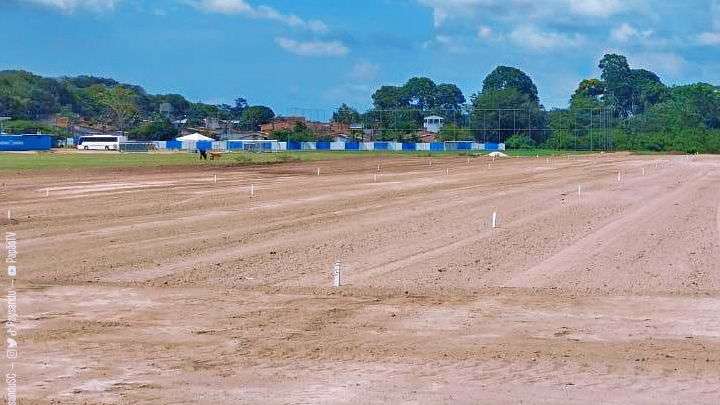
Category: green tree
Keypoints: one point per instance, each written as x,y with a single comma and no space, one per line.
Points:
452,132
626,90
299,133
28,127
448,97
387,97
508,105
616,76
510,78
160,129
647,90
253,117
121,100
346,115
420,93
518,141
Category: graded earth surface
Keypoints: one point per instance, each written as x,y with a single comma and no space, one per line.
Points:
599,285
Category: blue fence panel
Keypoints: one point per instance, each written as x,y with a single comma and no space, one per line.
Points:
322,145
352,145
491,146
267,146
204,145
294,146
173,144
234,145
409,146
464,146
25,142
380,146
437,147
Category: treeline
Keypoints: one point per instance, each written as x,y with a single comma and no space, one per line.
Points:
30,99
624,109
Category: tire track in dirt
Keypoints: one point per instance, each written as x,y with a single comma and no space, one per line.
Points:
440,250
424,256
546,271
268,230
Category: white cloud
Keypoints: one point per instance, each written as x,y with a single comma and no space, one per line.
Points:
484,32
356,95
451,44
364,71
532,39
523,10
599,8
240,7
312,48
709,38
626,33
72,5
439,17
666,64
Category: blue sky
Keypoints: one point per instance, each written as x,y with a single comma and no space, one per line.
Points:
309,56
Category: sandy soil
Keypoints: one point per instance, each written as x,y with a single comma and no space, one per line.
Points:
162,286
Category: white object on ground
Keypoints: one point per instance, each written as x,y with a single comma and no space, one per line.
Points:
336,273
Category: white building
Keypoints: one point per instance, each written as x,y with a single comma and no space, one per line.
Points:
433,123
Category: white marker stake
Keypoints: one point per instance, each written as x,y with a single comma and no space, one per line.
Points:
493,158
378,167
547,160
8,215
468,160
643,171
318,171
579,190
47,192
215,178
336,274
537,156
252,190
447,170
619,177
494,224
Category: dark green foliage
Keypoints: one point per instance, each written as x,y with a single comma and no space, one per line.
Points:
26,96
451,132
27,127
399,110
629,91
252,117
509,78
157,130
299,133
346,115
518,141
500,114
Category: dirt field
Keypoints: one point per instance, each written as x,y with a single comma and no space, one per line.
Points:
162,286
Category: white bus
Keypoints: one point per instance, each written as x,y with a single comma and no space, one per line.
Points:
101,142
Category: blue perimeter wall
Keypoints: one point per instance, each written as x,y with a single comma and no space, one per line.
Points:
273,146
25,142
